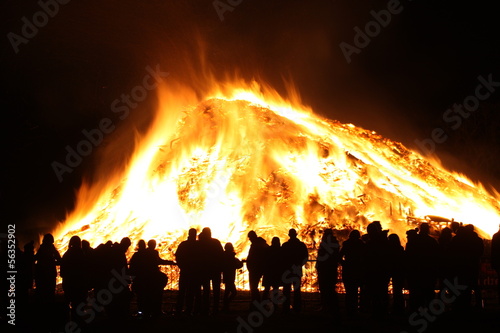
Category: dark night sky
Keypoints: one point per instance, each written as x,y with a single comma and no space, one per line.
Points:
64,79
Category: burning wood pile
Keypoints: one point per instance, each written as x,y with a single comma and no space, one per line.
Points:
245,160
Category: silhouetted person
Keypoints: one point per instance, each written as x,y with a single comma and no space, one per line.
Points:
495,259
102,270
397,273
256,263
74,268
352,256
24,261
119,306
411,235
87,249
139,276
156,280
454,226
47,257
274,268
478,251
230,265
27,266
327,262
377,268
211,258
89,254
445,266
422,254
411,241
466,249
445,238
187,256
136,262
295,256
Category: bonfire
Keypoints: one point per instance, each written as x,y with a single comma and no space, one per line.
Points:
242,158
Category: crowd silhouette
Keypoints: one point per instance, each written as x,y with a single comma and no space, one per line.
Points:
101,282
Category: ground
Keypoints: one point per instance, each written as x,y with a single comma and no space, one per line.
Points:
241,320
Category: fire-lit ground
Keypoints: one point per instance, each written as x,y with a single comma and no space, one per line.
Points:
240,320
241,159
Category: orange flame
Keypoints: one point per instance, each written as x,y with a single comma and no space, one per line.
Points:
242,157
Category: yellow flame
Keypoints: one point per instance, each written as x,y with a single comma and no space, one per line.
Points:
242,157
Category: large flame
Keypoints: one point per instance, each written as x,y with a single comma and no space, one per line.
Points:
241,158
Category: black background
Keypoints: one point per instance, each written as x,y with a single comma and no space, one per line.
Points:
65,78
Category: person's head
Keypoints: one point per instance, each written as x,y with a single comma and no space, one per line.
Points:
252,235
292,233
151,244
228,247
275,242
469,228
411,234
446,233
85,244
354,234
394,239
205,234
327,235
48,239
29,247
374,228
125,243
192,233
141,244
454,226
424,228
75,243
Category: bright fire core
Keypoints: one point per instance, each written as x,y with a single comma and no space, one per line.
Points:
243,159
